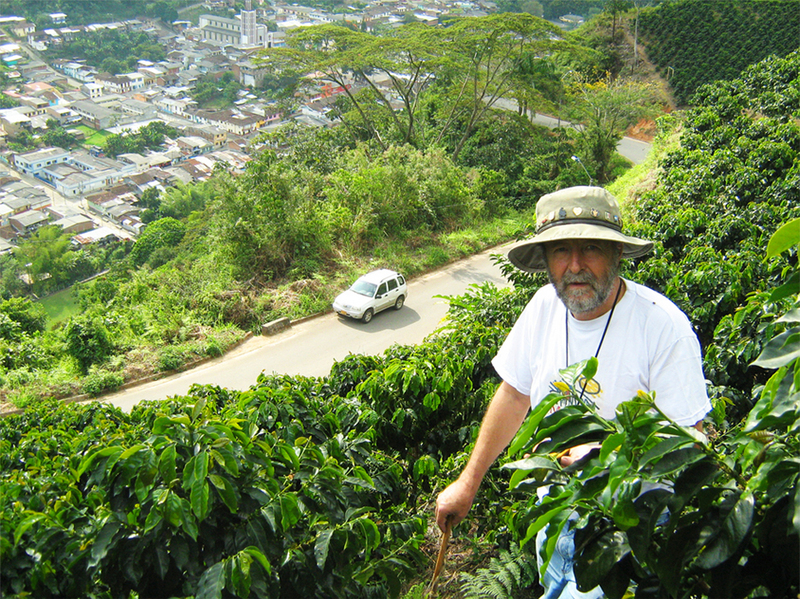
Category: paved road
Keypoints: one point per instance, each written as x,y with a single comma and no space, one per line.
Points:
311,347
632,149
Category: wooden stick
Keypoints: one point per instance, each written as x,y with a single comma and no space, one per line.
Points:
440,558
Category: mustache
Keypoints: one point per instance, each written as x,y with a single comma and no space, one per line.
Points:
582,277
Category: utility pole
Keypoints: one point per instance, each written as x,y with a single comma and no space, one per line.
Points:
636,38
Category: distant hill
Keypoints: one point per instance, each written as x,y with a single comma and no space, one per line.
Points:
82,12
695,42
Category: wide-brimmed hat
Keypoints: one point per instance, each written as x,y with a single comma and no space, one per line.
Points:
575,213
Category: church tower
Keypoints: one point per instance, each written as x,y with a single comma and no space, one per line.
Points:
249,35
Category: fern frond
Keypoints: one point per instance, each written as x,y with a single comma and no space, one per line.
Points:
510,571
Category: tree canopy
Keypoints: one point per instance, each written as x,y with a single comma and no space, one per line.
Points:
419,85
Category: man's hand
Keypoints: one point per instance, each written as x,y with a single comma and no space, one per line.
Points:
505,413
453,503
573,454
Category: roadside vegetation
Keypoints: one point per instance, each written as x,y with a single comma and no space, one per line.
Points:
323,487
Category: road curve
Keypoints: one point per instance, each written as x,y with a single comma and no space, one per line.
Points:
311,347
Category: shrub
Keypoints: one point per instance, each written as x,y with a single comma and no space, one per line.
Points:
170,358
99,381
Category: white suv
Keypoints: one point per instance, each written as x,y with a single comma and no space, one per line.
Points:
375,291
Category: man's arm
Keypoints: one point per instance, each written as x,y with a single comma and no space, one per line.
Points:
501,422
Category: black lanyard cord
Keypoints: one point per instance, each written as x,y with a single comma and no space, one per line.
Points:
602,337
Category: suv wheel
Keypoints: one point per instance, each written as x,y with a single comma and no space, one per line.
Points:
367,315
399,303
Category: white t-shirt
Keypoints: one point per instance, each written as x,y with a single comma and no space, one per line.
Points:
650,345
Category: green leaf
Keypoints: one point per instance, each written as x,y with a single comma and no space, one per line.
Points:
211,583
611,444
624,514
166,464
198,408
102,542
199,498
791,315
426,465
371,535
786,237
788,289
735,528
532,463
599,557
161,560
101,453
664,447
321,547
258,556
238,573
226,492
543,521
290,511
676,460
780,350
517,477
432,401
796,515
590,369
25,525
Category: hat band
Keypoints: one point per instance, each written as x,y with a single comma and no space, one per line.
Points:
579,221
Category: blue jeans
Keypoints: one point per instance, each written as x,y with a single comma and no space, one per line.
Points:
559,578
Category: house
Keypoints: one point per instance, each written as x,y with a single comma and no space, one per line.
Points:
22,29
76,223
94,115
32,163
191,145
101,236
76,70
233,121
62,114
177,106
14,122
120,84
141,110
93,89
214,135
26,223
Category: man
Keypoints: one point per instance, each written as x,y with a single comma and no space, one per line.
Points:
640,338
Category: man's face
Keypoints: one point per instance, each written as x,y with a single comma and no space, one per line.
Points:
583,273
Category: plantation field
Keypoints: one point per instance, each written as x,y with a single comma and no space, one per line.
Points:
60,306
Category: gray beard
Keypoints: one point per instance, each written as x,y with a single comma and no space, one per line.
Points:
601,287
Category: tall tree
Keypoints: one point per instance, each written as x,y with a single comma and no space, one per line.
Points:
605,109
469,66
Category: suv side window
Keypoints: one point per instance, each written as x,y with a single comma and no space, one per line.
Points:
381,290
392,284
400,279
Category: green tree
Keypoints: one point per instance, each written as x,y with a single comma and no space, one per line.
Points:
87,340
45,257
165,232
614,8
472,63
605,109
30,317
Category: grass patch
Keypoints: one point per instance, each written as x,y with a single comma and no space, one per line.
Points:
93,137
60,306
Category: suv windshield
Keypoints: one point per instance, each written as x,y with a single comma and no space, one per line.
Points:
364,288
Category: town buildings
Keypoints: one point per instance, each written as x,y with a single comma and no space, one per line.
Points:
73,92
